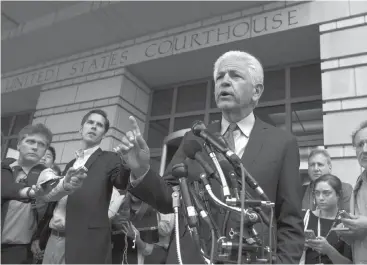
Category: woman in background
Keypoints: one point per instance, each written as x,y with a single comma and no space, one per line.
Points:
327,247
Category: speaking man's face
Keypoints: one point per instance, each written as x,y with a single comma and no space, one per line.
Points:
233,85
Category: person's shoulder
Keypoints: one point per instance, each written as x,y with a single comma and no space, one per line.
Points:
276,132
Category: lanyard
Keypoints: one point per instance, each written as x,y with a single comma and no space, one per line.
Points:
319,229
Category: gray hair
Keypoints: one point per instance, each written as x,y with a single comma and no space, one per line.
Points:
362,126
255,68
320,151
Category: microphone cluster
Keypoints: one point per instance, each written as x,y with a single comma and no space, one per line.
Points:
228,170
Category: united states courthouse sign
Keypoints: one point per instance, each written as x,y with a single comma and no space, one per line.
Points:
225,32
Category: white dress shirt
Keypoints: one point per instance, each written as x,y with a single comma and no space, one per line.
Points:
58,220
242,134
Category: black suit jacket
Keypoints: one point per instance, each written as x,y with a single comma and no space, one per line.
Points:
272,158
87,227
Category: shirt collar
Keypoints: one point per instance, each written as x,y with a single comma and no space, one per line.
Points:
245,125
25,169
86,152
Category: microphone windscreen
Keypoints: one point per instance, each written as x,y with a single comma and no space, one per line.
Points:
191,147
197,127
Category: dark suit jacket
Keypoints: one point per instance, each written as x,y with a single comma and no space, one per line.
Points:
87,227
272,158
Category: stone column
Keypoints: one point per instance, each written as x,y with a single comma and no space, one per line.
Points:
62,105
343,45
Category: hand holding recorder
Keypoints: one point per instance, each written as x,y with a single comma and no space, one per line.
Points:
74,178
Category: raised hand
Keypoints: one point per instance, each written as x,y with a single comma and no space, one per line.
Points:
129,230
134,150
357,224
36,250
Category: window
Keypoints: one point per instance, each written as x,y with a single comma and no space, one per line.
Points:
158,129
306,81
274,86
291,101
191,97
162,102
274,115
307,123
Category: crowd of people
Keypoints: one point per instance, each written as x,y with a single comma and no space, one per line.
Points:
93,211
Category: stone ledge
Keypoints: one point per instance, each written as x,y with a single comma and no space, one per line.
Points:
327,26
331,64
341,151
112,101
350,22
276,5
211,21
351,61
251,11
332,106
354,103
231,16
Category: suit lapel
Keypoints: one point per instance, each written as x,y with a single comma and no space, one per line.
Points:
93,158
255,143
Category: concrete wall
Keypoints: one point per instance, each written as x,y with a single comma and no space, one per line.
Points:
343,45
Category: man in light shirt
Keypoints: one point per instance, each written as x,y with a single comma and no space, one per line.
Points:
18,212
80,227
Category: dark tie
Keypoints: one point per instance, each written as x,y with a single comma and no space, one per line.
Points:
229,136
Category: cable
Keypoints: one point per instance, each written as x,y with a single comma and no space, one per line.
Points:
242,215
225,222
271,235
177,232
213,247
262,235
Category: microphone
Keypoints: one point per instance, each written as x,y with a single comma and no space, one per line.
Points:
193,150
199,129
203,214
180,172
230,173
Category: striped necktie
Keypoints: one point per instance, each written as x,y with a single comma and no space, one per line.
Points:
229,136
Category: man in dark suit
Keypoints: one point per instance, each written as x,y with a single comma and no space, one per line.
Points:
270,154
80,228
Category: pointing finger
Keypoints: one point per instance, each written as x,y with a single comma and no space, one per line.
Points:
130,136
134,126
